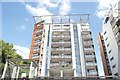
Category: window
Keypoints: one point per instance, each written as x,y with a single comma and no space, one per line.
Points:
109,51
106,38
116,74
106,20
111,58
108,44
113,66
104,32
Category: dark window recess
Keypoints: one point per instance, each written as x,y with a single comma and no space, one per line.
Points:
106,38
104,32
116,74
109,51
106,20
113,66
107,44
111,58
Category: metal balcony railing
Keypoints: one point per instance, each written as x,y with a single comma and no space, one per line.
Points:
57,49
89,56
60,56
61,36
88,48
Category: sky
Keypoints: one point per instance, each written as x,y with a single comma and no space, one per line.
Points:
18,22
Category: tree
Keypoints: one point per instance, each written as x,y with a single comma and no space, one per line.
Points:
7,52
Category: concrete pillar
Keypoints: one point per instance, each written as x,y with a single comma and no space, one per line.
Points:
35,71
48,73
31,69
61,73
14,72
17,72
5,68
73,50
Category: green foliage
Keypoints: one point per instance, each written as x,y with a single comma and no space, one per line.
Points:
7,52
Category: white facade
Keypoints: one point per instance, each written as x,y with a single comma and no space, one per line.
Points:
111,36
68,51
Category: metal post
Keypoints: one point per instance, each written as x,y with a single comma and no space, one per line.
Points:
5,68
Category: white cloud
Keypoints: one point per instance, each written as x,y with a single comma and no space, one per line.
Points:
47,3
65,7
21,28
44,5
23,51
105,6
36,11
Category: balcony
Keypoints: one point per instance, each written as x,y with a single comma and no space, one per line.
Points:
89,56
36,50
87,42
61,32
60,66
91,67
61,49
92,73
37,56
118,37
39,37
39,30
86,36
56,37
116,30
61,43
91,64
61,59
61,56
88,50
90,59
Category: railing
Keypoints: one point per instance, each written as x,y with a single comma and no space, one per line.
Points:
39,30
87,36
89,56
91,64
88,42
61,36
60,56
88,49
39,36
57,49
67,42
37,42
92,73
36,49
59,65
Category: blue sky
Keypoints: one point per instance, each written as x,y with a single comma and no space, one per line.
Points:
18,23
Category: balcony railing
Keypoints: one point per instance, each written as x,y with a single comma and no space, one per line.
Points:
91,64
92,73
87,36
61,36
89,56
60,49
39,30
36,50
67,42
88,43
61,56
60,66
88,48
40,37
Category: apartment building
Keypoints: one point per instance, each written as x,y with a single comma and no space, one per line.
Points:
109,43
66,46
